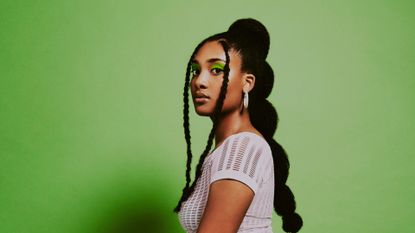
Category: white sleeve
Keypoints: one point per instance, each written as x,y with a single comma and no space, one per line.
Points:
246,158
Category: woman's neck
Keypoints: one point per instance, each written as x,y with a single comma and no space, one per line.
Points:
232,123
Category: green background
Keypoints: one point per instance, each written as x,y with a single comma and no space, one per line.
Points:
91,136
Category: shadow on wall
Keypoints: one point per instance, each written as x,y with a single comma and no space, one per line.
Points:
144,215
138,220
139,214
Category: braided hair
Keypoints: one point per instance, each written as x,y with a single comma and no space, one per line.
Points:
251,39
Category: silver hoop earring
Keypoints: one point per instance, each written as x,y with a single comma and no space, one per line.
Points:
246,99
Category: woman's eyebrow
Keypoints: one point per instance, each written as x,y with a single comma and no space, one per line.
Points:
211,60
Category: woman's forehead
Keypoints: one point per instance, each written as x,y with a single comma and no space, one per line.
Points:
212,51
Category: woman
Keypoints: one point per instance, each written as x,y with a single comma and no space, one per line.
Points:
236,185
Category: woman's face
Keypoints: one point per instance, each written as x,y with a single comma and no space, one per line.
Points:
207,73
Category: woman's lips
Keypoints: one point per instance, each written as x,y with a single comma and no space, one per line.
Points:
201,99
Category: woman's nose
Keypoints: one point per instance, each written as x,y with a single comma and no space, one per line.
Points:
202,80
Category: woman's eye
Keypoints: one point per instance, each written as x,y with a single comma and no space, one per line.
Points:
194,72
216,70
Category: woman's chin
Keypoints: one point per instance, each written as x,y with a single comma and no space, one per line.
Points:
202,112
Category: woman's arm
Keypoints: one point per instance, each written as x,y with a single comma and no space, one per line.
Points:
227,203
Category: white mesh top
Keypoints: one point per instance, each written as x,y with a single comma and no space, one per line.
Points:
245,157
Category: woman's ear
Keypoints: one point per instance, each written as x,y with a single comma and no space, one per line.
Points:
249,82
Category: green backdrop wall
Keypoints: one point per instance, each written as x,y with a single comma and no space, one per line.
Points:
91,135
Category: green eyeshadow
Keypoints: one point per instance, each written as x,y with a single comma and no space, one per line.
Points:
218,65
194,66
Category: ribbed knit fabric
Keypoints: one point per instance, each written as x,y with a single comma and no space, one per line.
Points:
245,157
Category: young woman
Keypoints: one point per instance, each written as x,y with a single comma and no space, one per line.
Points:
242,180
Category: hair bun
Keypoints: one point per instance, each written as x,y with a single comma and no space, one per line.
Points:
251,32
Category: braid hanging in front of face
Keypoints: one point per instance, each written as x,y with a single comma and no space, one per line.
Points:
187,191
186,126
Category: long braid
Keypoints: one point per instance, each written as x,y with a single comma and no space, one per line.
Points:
264,117
186,125
187,191
218,109
251,39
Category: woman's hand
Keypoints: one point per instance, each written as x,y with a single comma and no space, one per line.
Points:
227,203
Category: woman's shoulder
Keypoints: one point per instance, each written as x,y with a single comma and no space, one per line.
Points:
244,156
240,142
253,135
249,137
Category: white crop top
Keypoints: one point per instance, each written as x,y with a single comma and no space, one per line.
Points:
245,157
